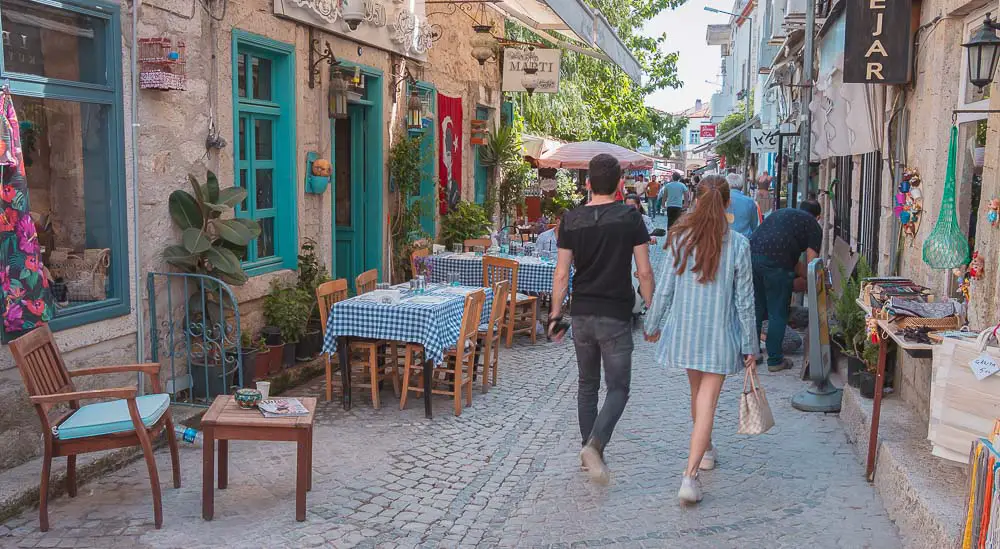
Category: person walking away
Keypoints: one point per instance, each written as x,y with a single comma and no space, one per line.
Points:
675,199
641,185
703,316
653,197
776,247
742,210
599,241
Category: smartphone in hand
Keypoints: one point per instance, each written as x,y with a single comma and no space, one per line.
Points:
557,328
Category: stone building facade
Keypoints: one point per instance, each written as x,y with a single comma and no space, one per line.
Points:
105,193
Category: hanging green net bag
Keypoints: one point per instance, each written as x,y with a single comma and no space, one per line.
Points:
947,247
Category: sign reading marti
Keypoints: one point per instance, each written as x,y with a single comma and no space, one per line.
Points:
877,42
548,70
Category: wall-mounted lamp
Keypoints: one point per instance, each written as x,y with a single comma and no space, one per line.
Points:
483,43
984,50
337,96
414,112
529,64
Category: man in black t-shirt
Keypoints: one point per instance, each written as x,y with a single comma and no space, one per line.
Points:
599,241
775,249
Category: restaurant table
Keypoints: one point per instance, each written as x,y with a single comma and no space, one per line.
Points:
432,319
887,334
225,421
534,274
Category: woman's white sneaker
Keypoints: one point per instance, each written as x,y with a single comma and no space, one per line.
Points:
690,491
708,460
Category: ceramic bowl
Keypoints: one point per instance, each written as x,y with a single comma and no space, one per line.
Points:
247,398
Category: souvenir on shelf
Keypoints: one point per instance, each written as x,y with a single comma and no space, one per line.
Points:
993,212
909,203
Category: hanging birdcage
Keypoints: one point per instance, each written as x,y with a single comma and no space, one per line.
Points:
161,64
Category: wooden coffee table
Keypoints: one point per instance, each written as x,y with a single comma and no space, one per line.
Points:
226,421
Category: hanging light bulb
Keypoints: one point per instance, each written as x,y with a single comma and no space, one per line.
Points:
483,43
529,64
337,107
414,112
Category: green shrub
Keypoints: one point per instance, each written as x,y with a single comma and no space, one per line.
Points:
288,309
466,221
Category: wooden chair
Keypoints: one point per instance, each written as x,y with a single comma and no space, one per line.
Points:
368,351
129,420
522,310
489,334
366,282
327,294
459,362
414,255
471,243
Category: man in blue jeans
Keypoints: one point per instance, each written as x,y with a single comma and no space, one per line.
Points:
600,240
775,249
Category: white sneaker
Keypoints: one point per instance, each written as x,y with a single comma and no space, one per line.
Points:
690,491
594,465
708,460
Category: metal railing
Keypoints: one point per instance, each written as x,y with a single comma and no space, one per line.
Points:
194,328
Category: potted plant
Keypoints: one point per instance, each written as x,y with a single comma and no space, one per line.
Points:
286,309
312,273
465,221
256,358
848,334
867,376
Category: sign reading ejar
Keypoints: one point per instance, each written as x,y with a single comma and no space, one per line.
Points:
877,42
548,70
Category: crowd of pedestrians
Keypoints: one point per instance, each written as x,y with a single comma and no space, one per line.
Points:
727,268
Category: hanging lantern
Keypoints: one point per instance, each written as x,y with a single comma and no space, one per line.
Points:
337,107
483,43
529,64
414,112
356,79
353,13
984,50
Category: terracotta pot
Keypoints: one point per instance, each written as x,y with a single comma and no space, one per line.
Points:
274,354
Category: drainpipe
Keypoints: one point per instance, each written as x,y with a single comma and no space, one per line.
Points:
140,332
807,73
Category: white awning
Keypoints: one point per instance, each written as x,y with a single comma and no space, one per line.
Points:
726,136
573,19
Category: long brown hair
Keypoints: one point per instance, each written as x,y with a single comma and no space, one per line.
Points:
701,231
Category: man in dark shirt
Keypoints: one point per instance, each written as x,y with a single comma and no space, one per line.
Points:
775,248
599,241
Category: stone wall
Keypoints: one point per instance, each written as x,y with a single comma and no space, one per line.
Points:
173,127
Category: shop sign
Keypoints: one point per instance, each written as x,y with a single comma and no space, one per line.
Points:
877,42
391,26
763,141
548,70
708,130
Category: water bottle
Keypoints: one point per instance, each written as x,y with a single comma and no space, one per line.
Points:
189,436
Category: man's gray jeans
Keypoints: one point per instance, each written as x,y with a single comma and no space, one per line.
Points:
609,340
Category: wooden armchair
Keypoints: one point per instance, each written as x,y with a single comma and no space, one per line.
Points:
327,294
414,255
130,420
471,243
522,311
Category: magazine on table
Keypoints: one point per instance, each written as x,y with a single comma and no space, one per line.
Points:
282,407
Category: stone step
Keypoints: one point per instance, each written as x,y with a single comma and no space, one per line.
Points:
925,495
19,485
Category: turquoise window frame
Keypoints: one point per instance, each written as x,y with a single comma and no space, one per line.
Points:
480,175
284,182
428,183
109,95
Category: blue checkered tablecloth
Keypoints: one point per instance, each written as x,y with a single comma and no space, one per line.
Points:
534,276
436,326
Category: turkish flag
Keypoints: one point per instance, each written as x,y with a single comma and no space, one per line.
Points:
449,116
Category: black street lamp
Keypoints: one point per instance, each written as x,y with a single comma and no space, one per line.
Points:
984,51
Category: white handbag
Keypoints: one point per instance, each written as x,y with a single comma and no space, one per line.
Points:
755,412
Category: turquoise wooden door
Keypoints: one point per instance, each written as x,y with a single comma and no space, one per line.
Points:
481,174
349,210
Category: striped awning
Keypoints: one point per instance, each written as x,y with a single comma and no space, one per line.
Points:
727,136
577,156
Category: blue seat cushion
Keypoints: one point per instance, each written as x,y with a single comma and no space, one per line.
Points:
104,418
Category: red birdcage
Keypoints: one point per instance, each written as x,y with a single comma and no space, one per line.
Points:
161,64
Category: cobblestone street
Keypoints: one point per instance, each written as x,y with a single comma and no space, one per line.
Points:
505,473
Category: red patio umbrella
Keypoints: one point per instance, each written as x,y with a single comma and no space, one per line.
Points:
576,156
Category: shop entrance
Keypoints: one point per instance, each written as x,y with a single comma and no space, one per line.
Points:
357,202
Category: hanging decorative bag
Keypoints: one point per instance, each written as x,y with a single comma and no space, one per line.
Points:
86,276
947,247
755,412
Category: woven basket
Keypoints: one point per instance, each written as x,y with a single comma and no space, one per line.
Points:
946,323
86,276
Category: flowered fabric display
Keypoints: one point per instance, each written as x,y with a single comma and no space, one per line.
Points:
27,300
982,518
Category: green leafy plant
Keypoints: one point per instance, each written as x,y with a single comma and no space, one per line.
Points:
565,198
850,326
287,309
466,221
515,178
248,342
869,355
312,273
406,168
736,149
210,244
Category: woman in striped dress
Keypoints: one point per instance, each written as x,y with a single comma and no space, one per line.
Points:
703,315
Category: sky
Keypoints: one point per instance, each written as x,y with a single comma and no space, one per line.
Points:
698,62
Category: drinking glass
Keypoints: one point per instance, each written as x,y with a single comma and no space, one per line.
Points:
413,284
478,250
382,286
453,279
457,248
421,284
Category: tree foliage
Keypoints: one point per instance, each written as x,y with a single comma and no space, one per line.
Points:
596,99
735,149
